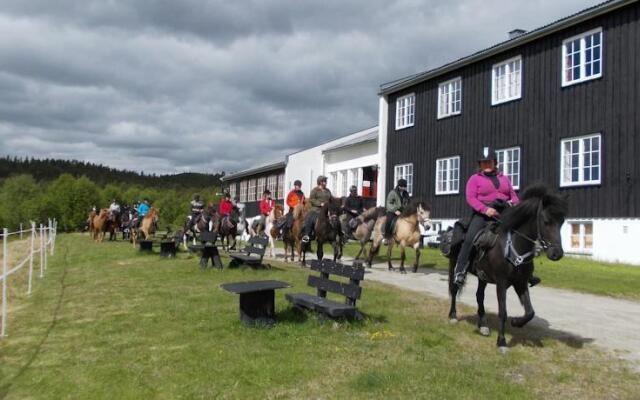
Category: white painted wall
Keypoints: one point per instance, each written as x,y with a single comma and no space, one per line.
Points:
383,119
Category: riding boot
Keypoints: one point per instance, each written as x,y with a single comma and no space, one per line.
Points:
460,273
307,232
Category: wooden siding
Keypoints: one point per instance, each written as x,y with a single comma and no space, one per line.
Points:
545,114
253,207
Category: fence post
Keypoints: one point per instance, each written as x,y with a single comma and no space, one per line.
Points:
20,230
4,282
55,233
44,248
41,253
33,238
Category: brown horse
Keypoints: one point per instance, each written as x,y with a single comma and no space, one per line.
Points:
292,238
363,232
90,220
327,230
99,224
148,225
275,216
406,233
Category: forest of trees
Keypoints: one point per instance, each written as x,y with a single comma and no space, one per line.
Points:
40,189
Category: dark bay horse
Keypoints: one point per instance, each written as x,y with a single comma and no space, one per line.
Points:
227,228
509,262
327,230
205,222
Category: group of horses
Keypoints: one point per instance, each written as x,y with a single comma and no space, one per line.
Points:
126,221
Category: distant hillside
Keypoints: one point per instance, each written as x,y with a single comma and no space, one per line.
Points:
49,169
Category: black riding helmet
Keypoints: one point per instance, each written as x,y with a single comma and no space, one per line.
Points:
297,182
353,189
402,183
487,154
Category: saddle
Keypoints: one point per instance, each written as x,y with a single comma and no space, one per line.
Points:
452,239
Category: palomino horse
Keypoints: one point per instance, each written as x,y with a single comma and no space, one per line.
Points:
99,223
147,226
509,262
275,216
327,230
406,233
363,232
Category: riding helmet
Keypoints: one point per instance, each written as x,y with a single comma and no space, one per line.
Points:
297,182
402,183
353,189
487,154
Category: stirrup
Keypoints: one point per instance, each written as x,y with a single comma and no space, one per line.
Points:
305,239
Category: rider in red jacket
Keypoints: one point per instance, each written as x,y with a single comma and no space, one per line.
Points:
226,205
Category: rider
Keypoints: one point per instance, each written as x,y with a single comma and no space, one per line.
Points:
319,196
226,208
352,206
295,197
197,206
486,190
266,205
397,200
143,209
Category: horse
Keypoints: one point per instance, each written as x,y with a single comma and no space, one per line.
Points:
126,220
98,224
292,235
147,226
509,261
406,233
275,216
114,224
204,223
228,228
327,230
92,214
362,233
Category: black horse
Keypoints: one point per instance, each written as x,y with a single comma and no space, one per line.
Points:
509,262
327,230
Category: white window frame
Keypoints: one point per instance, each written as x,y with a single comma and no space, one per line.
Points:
449,101
405,113
333,183
583,64
251,190
507,163
582,237
450,178
272,185
404,171
508,81
233,188
344,183
261,186
243,190
581,181
280,185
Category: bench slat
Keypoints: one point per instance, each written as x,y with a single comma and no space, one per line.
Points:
254,250
346,289
355,272
262,241
320,304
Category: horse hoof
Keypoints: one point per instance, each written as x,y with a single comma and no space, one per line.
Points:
503,349
402,271
484,331
453,321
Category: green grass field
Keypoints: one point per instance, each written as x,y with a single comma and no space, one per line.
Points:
109,323
583,275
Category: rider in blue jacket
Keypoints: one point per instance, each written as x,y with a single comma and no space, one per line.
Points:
143,209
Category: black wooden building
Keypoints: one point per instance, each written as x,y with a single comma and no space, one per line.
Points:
248,185
561,103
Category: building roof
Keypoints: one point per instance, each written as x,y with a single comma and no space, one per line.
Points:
369,137
254,170
581,16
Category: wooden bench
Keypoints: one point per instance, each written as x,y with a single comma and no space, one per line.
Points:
252,254
208,250
145,245
351,290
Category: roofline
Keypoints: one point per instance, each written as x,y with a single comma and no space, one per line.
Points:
535,34
331,140
347,145
253,171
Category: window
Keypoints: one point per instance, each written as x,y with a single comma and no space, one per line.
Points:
272,185
280,186
582,57
262,185
405,171
580,161
581,236
243,191
344,183
405,111
506,81
450,98
354,174
448,175
233,190
251,192
333,183
509,161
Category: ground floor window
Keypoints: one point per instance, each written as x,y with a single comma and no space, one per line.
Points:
581,236
243,191
448,175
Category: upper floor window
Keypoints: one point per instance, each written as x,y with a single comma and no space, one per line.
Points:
405,111
450,98
582,57
580,161
509,161
448,175
404,171
506,81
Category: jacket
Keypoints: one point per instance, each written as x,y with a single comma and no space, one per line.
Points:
226,206
353,203
143,209
481,192
396,200
318,197
294,198
266,205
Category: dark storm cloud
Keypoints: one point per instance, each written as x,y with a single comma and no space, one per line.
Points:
171,85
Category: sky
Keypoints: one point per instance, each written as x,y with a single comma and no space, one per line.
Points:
171,86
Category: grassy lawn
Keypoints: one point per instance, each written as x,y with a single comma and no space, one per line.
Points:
578,274
109,323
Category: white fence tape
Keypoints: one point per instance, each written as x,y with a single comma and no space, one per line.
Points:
44,238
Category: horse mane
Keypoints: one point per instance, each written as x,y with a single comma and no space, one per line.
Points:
412,207
554,205
372,213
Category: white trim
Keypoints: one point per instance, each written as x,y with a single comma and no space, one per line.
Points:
495,66
582,235
581,181
404,175
442,115
383,124
515,187
449,178
413,116
582,78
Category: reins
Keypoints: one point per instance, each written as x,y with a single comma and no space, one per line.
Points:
511,253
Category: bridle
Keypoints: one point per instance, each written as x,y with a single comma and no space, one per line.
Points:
511,253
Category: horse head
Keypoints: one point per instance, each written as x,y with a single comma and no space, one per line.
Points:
422,210
332,210
540,216
277,212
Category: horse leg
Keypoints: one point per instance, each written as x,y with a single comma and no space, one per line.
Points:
417,263
501,291
525,300
453,292
389,248
360,251
482,319
320,250
402,258
375,247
